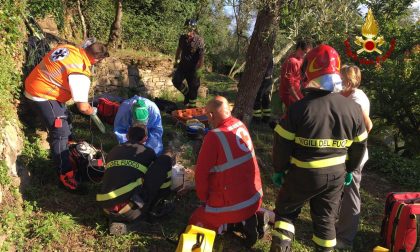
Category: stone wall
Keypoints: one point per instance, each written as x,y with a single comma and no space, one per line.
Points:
11,145
147,77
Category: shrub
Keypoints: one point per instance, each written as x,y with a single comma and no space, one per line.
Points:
403,171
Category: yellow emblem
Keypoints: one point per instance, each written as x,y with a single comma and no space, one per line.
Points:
312,68
369,31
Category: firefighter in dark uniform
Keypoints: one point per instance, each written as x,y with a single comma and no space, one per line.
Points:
322,137
134,179
191,51
262,110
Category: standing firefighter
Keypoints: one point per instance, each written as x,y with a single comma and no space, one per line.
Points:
262,110
63,74
310,149
191,50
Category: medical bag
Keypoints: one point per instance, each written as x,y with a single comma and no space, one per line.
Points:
401,224
107,110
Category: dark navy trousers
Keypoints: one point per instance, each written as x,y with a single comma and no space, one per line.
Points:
57,120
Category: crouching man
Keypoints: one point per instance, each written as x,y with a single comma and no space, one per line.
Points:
134,181
227,175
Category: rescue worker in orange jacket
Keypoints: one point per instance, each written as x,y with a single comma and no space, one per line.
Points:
63,74
227,175
322,138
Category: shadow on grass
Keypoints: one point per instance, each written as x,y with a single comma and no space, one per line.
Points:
366,240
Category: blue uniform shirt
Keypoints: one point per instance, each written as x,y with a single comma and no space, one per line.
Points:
123,121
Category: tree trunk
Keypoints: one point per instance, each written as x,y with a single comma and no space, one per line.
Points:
82,19
257,59
115,33
236,71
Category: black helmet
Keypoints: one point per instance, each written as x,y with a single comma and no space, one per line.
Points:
191,23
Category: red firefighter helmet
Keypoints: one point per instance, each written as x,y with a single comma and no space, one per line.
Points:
320,61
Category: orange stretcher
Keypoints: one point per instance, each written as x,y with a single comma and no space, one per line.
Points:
193,113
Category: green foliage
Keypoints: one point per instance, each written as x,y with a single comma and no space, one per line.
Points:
4,174
28,228
405,172
10,24
320,20
99,16
10,38
41,8
394,85
220,44
155,24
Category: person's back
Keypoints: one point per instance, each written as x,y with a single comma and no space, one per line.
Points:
227,175
236,176
290,74
126,163
134,181
321,138
316,128
49,80
152,120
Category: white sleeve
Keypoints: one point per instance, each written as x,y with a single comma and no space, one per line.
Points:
79,87
361,98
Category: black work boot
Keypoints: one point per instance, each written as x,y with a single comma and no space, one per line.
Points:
162,207
250,231
323,249
262,227
279,245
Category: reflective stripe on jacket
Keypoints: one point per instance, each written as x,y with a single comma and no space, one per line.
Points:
126,167
111,191
324,132
49,79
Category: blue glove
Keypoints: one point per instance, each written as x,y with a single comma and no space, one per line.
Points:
278,178
348,179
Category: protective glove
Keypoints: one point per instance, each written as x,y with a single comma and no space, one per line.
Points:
97,121
348,179
199,72
278,178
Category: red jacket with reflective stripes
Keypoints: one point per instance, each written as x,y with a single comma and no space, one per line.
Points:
227,175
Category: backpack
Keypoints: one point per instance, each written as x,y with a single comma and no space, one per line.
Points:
400,229
107,110
87,162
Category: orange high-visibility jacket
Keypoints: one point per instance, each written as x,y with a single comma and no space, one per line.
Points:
227,175
49,79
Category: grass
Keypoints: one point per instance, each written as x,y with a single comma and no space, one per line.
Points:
137,54
50,219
